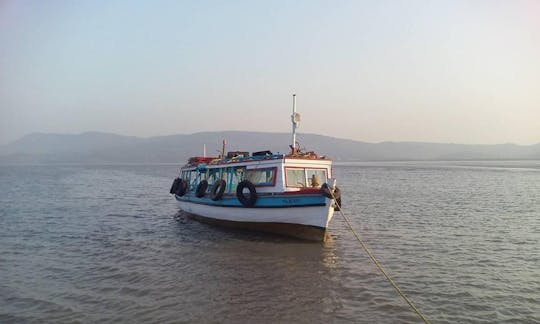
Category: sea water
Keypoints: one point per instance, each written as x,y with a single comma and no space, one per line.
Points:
105,243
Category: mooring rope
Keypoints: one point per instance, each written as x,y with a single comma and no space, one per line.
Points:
372,257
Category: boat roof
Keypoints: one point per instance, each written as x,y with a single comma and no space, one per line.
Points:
255,157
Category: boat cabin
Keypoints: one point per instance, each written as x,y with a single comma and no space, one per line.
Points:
267,172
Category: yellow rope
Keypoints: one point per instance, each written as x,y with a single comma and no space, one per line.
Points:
372,257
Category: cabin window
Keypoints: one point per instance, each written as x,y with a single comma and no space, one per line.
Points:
295,177
228,175
213,176
235,177
316,177
188,176
262,177
300,177
193,180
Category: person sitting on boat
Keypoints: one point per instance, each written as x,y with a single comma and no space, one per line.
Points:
315,181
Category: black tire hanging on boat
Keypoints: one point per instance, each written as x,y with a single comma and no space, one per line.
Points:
216,193
182,188
326,191
201,189
174,186
337,194
248,201
337,205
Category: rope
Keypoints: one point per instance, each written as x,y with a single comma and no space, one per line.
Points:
372,257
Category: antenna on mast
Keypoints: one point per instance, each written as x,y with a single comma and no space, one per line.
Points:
295,119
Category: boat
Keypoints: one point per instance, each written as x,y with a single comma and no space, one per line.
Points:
291,194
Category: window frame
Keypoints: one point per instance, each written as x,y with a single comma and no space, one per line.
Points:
274,176
287,180
305,176
325,170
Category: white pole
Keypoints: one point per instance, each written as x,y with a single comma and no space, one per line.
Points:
204,150
293,147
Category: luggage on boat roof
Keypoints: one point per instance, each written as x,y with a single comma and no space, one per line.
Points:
262,153
195,160
236,154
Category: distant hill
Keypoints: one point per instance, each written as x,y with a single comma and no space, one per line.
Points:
96,147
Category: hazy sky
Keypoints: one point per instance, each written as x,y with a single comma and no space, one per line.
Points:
437,71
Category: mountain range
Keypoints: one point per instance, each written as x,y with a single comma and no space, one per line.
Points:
97,147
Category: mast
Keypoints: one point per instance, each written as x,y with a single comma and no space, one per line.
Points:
223,149
295,119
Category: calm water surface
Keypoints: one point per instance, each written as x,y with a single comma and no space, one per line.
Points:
106,244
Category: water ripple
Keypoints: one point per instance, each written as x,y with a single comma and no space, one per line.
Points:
107,244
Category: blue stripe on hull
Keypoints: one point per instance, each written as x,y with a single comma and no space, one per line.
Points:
273,201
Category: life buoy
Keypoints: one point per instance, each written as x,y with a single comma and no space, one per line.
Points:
182,188
201,189
174,186
326,191
216,193
246,200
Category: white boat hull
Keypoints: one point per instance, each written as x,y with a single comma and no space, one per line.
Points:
308,222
